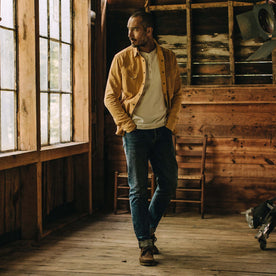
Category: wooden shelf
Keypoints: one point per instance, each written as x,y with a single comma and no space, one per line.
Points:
174,7
219,45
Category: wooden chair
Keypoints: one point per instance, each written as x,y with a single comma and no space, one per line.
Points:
190,155
121,188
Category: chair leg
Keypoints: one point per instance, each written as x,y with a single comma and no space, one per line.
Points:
174,207
115,191
202,196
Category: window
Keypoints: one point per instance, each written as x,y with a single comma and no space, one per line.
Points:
64,56
8,78
55,28
54,110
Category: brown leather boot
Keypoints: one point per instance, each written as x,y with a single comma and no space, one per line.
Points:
146,256
155,250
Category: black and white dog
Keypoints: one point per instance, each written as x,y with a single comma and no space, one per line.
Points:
262,217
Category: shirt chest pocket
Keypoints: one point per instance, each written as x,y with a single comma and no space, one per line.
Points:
131,74
131,81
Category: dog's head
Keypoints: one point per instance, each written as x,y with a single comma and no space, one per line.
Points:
249,217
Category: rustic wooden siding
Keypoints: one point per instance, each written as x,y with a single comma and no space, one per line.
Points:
10,215
241,158
64,187
64,192
16,193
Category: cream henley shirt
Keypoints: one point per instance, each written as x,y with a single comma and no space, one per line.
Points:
151,111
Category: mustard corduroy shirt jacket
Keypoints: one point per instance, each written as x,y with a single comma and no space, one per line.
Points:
126,83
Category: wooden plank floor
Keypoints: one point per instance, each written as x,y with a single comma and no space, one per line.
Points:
106,245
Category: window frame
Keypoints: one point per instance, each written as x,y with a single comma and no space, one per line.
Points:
60,92
28,104
14,90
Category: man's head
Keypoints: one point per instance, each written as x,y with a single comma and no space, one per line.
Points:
140,29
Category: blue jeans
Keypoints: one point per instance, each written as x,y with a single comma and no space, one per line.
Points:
156,146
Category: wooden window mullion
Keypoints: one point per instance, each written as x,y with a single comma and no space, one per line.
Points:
0,88
0,113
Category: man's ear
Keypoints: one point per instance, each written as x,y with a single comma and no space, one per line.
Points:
149,31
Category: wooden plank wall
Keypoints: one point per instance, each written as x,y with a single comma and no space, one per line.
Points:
64,187
10,215
64,192
238,117
16,193
241,158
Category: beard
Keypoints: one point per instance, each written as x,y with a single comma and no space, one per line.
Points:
138,43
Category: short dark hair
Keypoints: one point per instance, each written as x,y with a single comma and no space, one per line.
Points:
147,18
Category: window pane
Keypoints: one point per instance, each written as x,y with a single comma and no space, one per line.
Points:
7,121
56,71
65,21
54,19
7,59
66,118
44,118
43,18
43,64
66,68
7,13
54,65
54,119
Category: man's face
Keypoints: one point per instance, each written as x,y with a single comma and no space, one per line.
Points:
137,34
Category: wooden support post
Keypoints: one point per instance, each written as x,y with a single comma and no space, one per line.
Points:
80,70
115,191
38,164
189,41
31,222
39,199
28,54
82,85
231,42
90,114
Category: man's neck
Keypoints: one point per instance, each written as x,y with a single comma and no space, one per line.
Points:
148,47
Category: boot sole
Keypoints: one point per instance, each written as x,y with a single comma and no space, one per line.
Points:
152,263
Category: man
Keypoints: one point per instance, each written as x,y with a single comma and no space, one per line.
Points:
143,96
